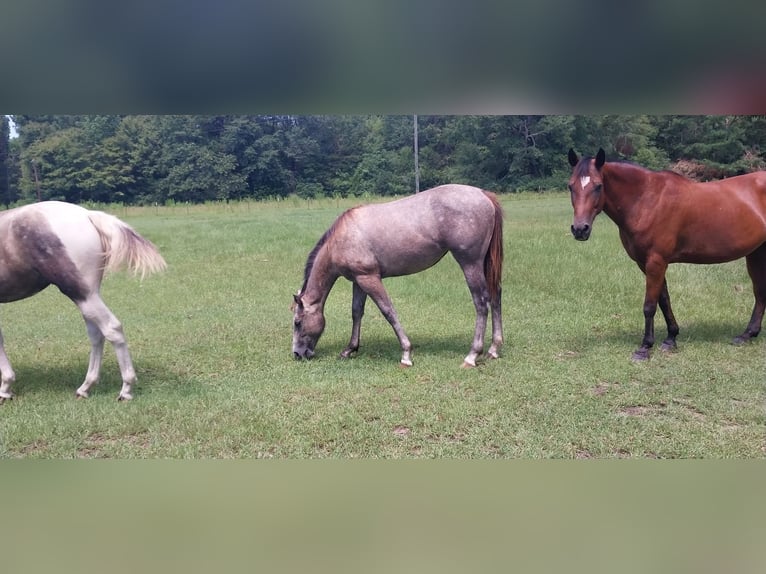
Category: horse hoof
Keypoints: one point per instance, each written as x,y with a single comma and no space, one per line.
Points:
80,395
467,365
405,364
125,397
668,347
740,340
640,356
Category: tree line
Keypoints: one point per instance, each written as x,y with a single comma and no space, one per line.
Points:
148,159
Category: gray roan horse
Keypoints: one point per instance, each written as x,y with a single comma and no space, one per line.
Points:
370,242
55,243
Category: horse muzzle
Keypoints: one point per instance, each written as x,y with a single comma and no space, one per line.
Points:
306,353
581,232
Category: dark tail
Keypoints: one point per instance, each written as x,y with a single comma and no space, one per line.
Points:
493,260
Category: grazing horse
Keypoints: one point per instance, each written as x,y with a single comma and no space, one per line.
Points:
665,218
401,237
61,244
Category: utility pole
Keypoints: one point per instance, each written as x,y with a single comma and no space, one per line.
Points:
417,168
37,179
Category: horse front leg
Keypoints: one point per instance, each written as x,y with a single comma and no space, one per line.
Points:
669,344
358,300
655,280
7,376
373,286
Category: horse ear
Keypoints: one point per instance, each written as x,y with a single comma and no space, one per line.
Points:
298,301
600,158
573,159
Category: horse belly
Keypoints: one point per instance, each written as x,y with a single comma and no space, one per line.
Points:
20,285
409,261
720,243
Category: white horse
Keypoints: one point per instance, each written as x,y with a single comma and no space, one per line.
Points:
61,244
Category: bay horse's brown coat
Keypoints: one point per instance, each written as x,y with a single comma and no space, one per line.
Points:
665,218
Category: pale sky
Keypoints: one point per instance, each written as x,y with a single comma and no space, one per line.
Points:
14,133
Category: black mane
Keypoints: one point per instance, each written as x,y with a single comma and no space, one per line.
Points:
313,254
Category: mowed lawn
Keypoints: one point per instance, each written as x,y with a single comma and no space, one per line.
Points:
211,341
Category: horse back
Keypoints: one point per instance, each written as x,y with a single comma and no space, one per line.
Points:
413,233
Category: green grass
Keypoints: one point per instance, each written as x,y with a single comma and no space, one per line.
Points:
211,342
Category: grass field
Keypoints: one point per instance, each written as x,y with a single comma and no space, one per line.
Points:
211,342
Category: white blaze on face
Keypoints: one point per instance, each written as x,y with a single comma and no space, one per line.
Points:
585,180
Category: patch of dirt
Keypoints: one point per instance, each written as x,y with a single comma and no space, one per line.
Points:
641,410
96,443
691,409
602,387
583,454
32,448
401,431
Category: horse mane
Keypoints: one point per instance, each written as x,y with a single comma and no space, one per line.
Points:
668,172
315,251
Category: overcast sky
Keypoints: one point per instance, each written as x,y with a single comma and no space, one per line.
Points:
14,133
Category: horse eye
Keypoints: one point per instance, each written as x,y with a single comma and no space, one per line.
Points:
297,324
597,188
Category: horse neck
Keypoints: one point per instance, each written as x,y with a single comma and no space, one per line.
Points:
320,279
625,186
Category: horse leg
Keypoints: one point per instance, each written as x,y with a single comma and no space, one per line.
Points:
373,286
7,376
668,344
756,268
477,284
497,326
655,281
359,298
94,362
102,324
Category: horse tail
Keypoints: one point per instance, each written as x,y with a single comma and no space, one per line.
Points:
493,260
124,247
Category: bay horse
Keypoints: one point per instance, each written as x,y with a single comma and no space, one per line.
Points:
61,244
665,218
368,243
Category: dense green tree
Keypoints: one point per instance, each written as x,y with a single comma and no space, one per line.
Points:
197,158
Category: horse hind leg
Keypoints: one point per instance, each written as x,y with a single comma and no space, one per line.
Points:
94,362
497,326
756,268
102,324
477,284
7,376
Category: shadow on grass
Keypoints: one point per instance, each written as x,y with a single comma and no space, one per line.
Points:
64,379
700,331
386,348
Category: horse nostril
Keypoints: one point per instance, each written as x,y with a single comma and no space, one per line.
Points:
296,355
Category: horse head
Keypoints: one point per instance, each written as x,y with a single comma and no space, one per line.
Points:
308,325
585,187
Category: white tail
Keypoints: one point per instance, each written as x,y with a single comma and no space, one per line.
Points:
124,247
